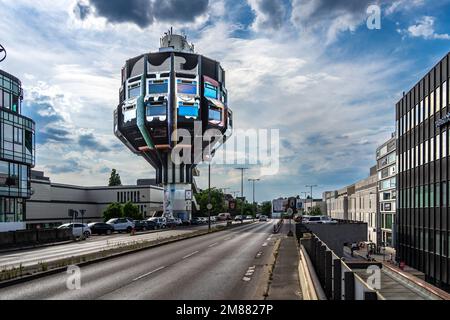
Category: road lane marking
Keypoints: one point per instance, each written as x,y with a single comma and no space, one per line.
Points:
246,278
259,254
148,273
264,244
190,254
213,244
228,238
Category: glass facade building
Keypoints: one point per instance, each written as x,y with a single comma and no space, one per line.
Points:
17,153
422,220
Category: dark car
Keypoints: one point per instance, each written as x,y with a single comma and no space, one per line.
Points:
150,225
101,228
196,221
140,225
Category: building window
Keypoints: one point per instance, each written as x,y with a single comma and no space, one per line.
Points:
444,194
431,195
438,194
432,109
438,99
444,144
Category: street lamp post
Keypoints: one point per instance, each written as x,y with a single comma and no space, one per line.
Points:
209,196
242,188
253,181
312,198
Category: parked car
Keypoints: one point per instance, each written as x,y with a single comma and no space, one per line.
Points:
100,228
78,229
150,225
173,222
263,218
140,225
238,218
121,224
161,222
249,217
224,216
213,219
196,220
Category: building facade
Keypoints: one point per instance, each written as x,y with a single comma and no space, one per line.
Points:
422,120
356,202
17,154
387,177
50,202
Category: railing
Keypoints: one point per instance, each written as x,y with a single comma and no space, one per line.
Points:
337,279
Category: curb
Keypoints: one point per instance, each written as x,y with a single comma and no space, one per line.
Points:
37,275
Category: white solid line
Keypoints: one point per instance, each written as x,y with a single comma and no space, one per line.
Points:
148,273
212,245
190,254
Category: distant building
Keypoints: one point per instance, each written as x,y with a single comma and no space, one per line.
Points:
50,202
387,182
356,202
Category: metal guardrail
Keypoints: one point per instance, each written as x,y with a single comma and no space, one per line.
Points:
337,279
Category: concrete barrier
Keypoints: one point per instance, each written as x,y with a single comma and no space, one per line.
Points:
25,237
6,238
12,239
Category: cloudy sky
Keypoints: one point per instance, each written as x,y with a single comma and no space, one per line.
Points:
310,68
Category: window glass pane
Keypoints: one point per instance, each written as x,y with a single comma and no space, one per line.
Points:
158,87
134,90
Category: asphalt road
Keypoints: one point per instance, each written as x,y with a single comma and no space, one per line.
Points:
93,244
230,264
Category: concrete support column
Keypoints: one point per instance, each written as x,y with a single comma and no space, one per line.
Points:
337,279
328,274
349,285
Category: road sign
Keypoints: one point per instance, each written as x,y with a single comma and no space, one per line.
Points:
209,206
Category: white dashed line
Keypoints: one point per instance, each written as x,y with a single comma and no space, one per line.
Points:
213,244
148,273
190,254
246,279
228,238
264,244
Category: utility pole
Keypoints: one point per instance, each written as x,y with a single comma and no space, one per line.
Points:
254,180
312,198
209,196
242,188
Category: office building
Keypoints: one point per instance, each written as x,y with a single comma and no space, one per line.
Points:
422,121
16,154
50,202
387,171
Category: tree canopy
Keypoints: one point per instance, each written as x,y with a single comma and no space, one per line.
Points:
114,179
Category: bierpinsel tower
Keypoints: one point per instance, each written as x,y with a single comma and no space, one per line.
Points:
173,111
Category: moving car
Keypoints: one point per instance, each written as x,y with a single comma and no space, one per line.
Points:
100,228
78,229
318,219
121,224
161,222
263,218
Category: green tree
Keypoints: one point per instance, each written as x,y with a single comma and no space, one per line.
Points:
114,179
114,210
266,208
217,201
316,211
131,211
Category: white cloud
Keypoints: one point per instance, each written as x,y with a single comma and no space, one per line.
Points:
424,28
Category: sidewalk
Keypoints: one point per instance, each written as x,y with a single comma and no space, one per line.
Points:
285,284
